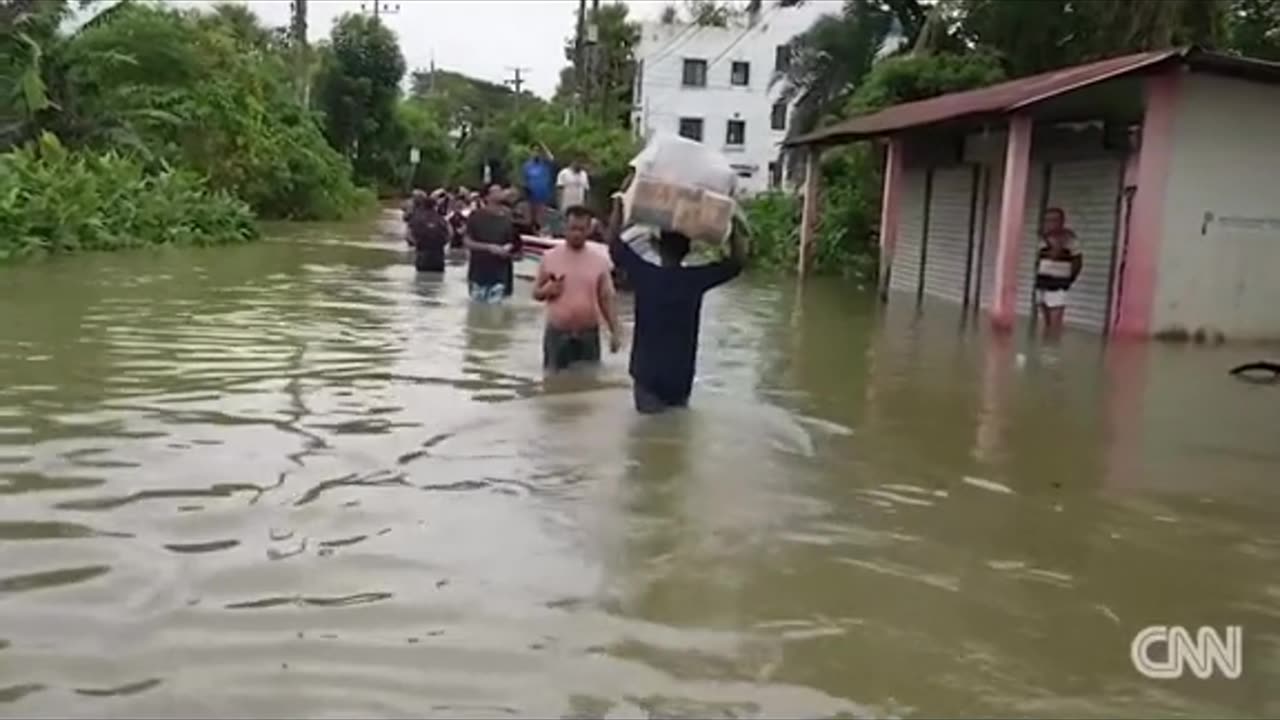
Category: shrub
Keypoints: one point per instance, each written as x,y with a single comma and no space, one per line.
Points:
57,201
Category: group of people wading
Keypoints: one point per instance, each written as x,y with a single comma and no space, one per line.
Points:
575,279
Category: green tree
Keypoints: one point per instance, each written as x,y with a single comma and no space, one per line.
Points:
358,87
1253,28
612,65
830,58
463,103
709,13
425,131
197,91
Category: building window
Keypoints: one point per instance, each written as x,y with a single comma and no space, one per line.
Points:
639,75
695,73
775,174
782,58
735,132
740,73
691,128
778,117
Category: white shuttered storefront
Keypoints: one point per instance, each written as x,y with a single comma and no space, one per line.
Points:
1030,238
905,272
1088,191
947,248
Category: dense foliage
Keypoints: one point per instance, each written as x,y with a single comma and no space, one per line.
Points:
204,95
53,200
358,88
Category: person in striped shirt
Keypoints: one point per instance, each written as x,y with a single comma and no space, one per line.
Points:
1057,266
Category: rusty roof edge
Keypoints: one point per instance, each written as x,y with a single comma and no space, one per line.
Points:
1192,56
1176,53
832,134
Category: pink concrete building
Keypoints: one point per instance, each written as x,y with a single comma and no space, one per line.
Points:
1166,163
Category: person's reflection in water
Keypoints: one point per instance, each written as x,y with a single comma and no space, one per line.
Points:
427,287
655,486
487,340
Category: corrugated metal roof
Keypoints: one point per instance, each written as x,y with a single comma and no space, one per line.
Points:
996,99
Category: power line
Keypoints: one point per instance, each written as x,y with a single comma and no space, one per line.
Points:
745,32
378,7
679,39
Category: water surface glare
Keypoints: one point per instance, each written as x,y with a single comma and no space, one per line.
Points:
295,480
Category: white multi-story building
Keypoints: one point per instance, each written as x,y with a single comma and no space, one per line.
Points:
715,85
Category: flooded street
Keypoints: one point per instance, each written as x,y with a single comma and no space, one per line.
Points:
293,479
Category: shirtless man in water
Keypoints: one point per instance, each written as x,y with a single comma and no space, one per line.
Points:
576,283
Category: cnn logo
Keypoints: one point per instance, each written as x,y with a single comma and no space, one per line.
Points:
1202,653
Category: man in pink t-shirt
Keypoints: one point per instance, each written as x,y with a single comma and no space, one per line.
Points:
575,281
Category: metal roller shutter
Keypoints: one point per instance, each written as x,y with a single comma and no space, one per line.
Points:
986,279
1030,238
1088,191
905,273
947,250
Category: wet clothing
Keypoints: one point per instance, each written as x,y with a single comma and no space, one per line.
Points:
458,224
649,403
1054,266
485,269
563,348
1051,298
668,306
488,293
539,180
429,234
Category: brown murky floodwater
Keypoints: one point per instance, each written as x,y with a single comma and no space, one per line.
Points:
293,479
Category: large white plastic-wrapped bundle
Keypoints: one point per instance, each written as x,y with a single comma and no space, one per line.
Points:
681,161
682,186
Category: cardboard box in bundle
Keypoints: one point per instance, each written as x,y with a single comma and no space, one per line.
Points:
701,215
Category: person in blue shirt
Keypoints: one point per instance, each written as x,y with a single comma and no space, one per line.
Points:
539,174
668,309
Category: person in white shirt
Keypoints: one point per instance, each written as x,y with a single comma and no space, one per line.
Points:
572,183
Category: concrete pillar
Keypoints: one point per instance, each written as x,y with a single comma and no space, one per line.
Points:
890,202
1137,287
809,212
1013,207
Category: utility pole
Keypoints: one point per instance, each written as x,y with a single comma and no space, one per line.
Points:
302,69
517,81
578,76
598,79
377,7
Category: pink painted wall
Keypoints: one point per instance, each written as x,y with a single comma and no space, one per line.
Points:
1142,254
890,203
1013,207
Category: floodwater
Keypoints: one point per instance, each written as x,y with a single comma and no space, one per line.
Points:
292,479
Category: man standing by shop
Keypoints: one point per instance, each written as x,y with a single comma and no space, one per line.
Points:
494,243
1058,265
575,282
573,183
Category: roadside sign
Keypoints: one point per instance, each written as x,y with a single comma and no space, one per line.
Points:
415,156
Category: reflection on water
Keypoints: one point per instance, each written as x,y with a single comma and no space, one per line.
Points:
295,479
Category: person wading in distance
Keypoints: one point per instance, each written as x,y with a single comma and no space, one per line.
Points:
1058,265
493,243
575,281
428,233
